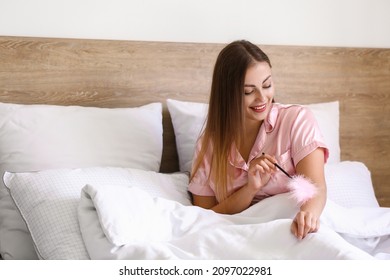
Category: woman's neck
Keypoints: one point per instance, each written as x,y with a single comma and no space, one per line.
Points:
249,139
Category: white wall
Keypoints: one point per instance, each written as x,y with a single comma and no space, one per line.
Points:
356,23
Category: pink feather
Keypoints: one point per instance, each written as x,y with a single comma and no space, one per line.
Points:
301,189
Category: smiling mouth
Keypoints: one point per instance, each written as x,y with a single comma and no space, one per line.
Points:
260,108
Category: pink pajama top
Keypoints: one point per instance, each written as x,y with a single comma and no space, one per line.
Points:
290,133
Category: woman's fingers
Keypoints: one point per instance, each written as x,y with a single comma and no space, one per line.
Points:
303,224
269,158
300,221
264,164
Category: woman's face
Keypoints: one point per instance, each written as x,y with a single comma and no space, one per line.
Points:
259,92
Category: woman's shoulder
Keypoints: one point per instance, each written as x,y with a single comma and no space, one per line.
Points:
290,114
290,109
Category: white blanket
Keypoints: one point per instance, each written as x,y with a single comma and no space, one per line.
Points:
120,222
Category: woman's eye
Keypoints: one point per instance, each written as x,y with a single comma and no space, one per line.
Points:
267,86
247,92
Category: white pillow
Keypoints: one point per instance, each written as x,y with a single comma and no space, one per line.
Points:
48,201
40,137
349,184
188,119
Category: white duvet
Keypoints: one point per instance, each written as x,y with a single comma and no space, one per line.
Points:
119,222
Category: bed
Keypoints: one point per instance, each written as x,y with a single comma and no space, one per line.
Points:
96,139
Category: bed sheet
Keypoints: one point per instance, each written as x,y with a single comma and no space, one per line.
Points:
127,223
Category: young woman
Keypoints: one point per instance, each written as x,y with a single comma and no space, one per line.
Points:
246,133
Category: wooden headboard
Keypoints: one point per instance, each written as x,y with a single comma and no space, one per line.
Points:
129,73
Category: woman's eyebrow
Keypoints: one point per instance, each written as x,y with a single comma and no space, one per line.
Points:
249,85
266,79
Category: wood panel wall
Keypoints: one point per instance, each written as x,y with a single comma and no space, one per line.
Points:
128,73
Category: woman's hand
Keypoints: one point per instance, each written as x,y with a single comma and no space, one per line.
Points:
307,220
304,223
260,170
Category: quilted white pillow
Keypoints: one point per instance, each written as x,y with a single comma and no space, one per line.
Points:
48,201
40,137
349,184
188,119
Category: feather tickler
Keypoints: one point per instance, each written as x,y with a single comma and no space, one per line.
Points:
301,189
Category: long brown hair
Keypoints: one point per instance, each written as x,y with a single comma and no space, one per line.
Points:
225,122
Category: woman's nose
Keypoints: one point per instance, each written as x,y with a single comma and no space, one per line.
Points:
260,95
